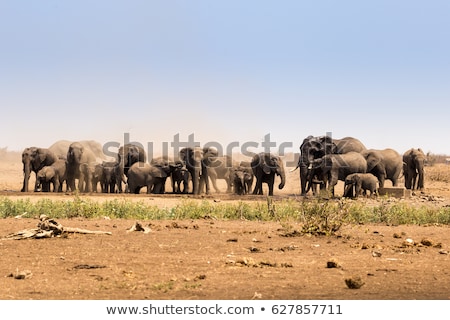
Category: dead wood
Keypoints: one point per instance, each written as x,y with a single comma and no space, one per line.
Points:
48,228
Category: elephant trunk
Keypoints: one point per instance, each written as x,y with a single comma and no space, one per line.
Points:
283,179
196,181
420,182
348,189
26,175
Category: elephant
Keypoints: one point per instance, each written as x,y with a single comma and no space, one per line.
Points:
110,177
165,165
242,178
97,177
265,166
359,183
81,163
316,147
333,167
198,161
142,174
384,164
413,166
219,168
179,176
129,154
34,159
54,174
81,157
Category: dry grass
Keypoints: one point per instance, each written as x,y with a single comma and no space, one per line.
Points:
438,173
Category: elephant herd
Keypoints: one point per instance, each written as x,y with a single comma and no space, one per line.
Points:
82,166
324,161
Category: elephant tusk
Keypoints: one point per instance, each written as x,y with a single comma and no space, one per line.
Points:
292,170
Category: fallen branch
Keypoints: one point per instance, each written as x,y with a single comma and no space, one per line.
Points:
48,228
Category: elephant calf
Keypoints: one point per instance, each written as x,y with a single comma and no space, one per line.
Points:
142,174
359,183
179,176
242,178
54,174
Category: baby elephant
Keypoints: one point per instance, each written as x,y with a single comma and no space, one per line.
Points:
359,183
54,174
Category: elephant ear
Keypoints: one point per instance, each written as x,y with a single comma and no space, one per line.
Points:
268,163
41,154
327,161
266,168
357,179
158,172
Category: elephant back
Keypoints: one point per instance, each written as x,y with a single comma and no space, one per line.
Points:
349,144
60,148
93,150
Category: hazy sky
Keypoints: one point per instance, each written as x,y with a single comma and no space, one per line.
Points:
225,71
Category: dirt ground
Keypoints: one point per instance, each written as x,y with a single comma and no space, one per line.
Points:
221,260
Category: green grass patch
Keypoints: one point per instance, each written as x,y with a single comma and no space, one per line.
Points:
315,216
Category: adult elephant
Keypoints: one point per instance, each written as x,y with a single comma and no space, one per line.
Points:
316,147
334,167
80,165
81,157
198,161
385,164
265,166
413,166
34,159
129,154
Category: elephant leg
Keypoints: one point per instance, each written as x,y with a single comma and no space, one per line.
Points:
414,181
36,184
213,176
303,179
206,180
56,185
270,184
258,185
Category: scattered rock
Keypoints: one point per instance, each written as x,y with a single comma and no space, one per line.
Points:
332,263
354,282
427,242
21,275
408,242
138,227
376,254
365,246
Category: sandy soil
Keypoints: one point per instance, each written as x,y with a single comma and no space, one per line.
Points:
211,259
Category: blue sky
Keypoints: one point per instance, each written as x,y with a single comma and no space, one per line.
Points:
225,71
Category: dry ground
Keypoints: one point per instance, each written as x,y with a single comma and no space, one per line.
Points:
211,259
